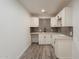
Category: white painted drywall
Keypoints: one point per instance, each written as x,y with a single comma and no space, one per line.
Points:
14,29
76,29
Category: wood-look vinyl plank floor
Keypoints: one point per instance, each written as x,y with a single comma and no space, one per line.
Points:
39,52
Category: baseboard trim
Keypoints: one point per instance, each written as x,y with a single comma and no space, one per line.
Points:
65,57
22,53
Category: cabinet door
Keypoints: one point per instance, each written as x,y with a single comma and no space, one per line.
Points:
63,48
53,22
48,38
53,37
34,38
68,16
42,38
62,16
34,22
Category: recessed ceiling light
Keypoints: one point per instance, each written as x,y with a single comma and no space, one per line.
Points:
43,10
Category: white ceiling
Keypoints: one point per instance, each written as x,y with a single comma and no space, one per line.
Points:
52,7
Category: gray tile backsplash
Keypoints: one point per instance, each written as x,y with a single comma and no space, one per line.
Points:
64,30
44,24
67,31
34,29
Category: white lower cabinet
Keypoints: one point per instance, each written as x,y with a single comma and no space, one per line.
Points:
45,38
63,49
42,39
61,43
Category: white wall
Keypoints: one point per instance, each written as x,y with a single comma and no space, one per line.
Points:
14,29
76,29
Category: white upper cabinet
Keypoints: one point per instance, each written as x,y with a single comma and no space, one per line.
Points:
34,22
53,22
66,16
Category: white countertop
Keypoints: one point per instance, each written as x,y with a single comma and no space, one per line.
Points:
44,33
55,34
